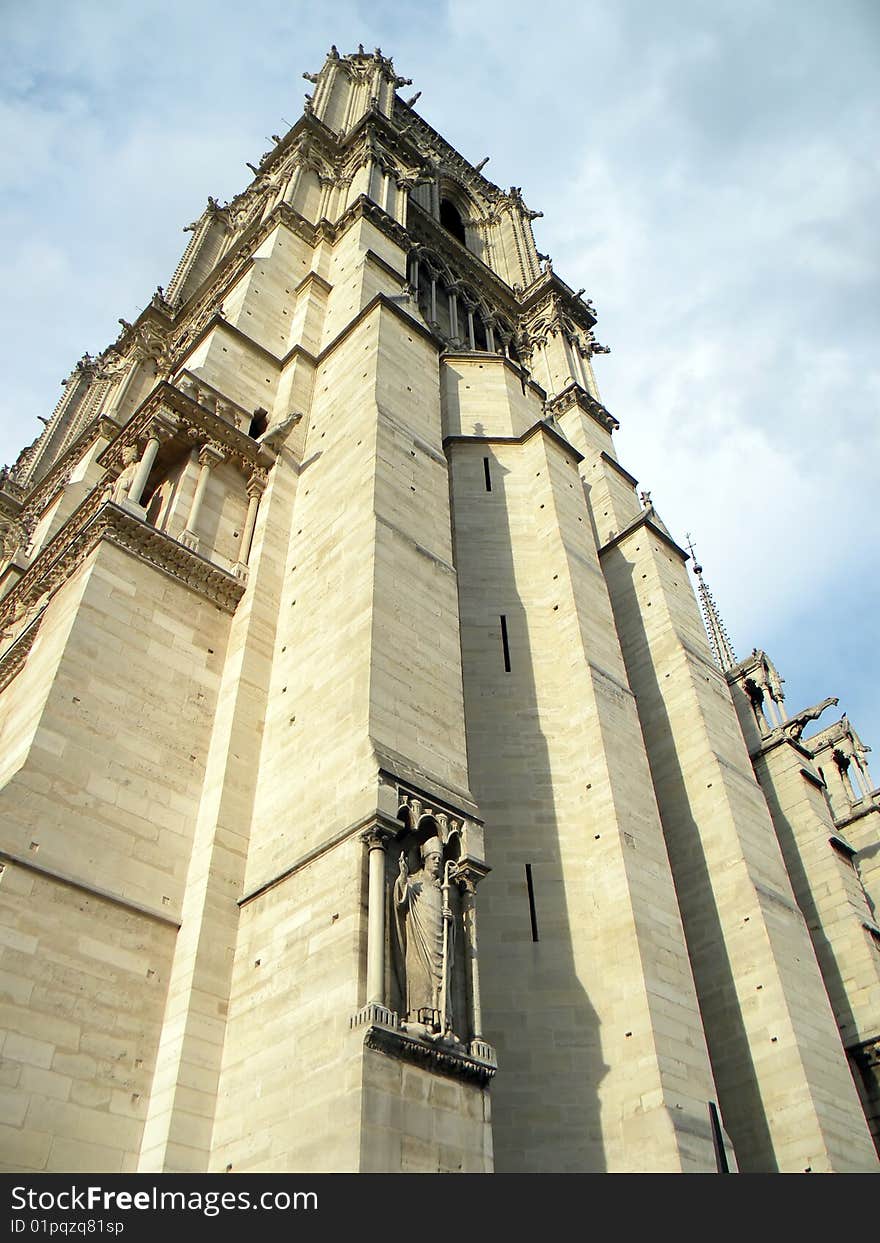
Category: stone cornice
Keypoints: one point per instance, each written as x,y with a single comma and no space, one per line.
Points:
56,478
864,807
551,289
364,208
13,659
96,520
777,738
84,886
615,465
444,1060
534,430
643,520
575,395
188,417
483,356
375,821
379,262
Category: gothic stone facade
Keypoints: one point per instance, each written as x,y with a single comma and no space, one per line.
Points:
370,798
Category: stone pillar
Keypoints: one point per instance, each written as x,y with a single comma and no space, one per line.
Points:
471,339
145,465
255,487
403,189
468,882
293,184
375,841
453,314
209,457
374,1010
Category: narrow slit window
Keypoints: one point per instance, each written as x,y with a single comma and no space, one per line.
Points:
487,474
505,646
718,1139
533,915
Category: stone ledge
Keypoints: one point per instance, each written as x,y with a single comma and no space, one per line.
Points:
13,659
478,1065
86,528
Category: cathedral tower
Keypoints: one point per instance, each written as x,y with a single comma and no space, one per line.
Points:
370,798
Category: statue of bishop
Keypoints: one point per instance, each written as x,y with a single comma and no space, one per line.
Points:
423,921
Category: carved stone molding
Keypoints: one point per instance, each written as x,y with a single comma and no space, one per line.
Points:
417,809
13,659
98,520
575,395
374,1014
476,1064
182,415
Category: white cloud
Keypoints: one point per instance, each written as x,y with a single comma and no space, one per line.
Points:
707,172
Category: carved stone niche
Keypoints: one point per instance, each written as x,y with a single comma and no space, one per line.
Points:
423,1000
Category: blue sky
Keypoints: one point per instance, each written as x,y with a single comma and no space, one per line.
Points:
707,171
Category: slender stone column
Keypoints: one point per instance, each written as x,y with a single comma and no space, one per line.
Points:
433,299
468,885
453,314
209,456
145,465
403,189
255,487
490,338
471,338
293,184
862,775
375,840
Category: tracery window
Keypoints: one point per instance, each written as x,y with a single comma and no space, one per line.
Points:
454,311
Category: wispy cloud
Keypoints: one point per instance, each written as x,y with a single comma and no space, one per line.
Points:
708,172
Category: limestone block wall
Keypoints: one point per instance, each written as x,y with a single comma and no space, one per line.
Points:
421,1123
107,729
611,489
766,1013
827,888
863,830
601,1057
290,1090
484,395
180,1116
82,979
316,766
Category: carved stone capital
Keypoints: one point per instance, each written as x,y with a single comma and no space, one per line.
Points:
376,837
470,872
256,484
211,454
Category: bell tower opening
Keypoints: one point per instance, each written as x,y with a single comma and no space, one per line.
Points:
450,218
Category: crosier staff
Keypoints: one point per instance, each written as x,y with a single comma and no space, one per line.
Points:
447,924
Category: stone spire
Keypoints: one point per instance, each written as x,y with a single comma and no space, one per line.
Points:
722,648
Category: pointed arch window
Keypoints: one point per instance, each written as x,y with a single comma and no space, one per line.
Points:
450,218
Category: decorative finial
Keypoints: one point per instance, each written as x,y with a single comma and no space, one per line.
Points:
409,102
719,639
478,168
645,498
